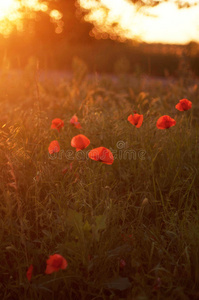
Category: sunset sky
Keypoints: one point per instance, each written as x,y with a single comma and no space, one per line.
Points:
164,23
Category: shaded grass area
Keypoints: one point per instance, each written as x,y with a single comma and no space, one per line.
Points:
143,209
102,56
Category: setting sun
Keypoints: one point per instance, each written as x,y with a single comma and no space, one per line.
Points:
9,10
115,19
121,19
12,13
4,7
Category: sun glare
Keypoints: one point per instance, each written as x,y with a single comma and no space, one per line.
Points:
121,19
115,19
7,7
13,11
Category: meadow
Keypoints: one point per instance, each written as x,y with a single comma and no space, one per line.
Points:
128,230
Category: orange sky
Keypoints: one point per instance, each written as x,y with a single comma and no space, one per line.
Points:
12,12
164,23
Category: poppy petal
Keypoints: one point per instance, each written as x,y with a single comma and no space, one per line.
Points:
183,105
55,263
64,264
179,107
29,272
54,147
57,124
80,142
77,125
74,122
73,119
50,269
102,154
165,122
136,120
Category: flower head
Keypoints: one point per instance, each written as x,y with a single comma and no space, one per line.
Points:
184,104
29,272
55,263
165,122
122,263
57,124
102,154
74,122
80,142
136,120
54,147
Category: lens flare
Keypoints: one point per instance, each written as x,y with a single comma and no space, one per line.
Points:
13,11
121,19
5,7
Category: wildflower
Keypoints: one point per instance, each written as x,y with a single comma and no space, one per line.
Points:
183,104
74,122
80,142
102,154
29,272
157,284
127,237
57,124
122,263
54,147
165,122
68,169
55,263
136,120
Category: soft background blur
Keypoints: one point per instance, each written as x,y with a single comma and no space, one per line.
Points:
117,36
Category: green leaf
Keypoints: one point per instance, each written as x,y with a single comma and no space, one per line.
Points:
87,226
100,222
75,220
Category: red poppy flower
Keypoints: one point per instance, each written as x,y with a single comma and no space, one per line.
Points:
54,147
157,284
136,120
55,263
57,124
80,142
102,154
184,104
29,272
74,122
165,122
127,237
122,263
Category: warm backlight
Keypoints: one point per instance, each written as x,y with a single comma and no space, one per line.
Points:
13,11
164,23
115,19
5,7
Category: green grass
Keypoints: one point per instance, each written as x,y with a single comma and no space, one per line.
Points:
143,209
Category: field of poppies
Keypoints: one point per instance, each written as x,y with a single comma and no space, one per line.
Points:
99,188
